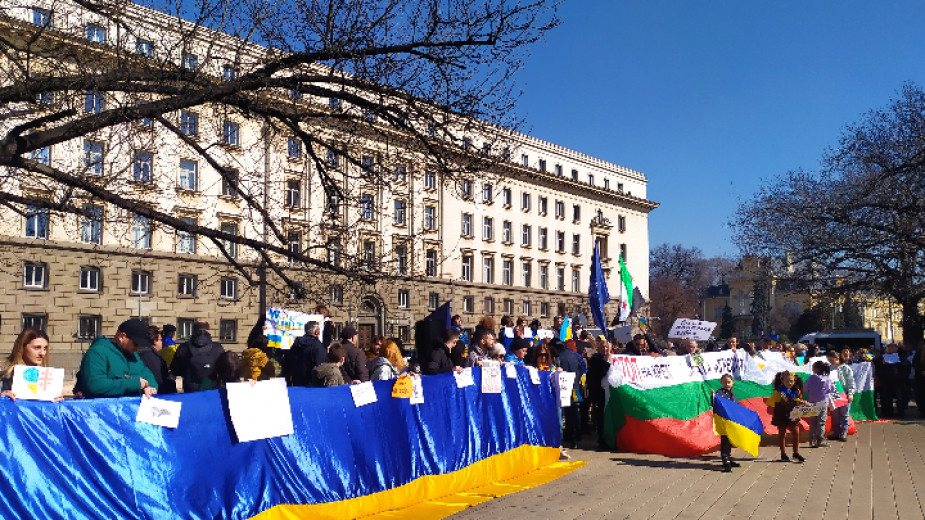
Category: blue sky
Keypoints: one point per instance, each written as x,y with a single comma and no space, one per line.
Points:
710,99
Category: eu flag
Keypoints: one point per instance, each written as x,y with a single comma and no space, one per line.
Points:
598,295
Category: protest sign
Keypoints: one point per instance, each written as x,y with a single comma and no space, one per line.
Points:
563,383
545,334
417,390
284,326
691,329
491,377
534,375
805,409
511,371
259,410
464,378
39,383
403,387
623,334
159,412
649,372
363,394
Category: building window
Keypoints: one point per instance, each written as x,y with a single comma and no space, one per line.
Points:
189,61
400,214
369,255
508,306
96,33
544,238
94,102
230,133
186,285
430,180
189,123
401,259
229,288
525,201
576,213
332,158
366,206
228,330
560,278
506,232
142,166
467,189
486,148
488,270
544,277
294,245
542,165
560,209
606,183
144,48
186,240
41,155
333,248
42,17
467,143
524,159
542,205
468,304
229,73
527,308
36,222
433,301
526,235
487,229
507,275
366,165
294,193
528,273
230,183
295,93
189,176
506,197
400,174
559,170
430,218
430,264
466,224
141,232
335,104
621,224
185,328
88,327
467,268
93,157
619,187
404,333
34,275
576,280
90,279
487,194
337,294
575,175
404,300
576,244
332,204
91,224
544,309
488,304
560,241
141,282
34,321
623,252
591,179
294,148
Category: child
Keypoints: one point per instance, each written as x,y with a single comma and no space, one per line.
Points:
328,374
819,389
725,447
840,415
788,392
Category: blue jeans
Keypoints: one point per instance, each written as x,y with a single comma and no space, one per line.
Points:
840,421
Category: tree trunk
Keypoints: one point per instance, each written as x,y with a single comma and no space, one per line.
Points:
912,324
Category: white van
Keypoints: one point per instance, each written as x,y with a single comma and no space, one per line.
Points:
840,338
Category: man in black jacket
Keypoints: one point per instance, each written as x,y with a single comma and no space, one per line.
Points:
151,357
306,353
354,367
570,362
195,359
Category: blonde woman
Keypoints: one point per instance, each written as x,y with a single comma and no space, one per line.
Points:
388,365
30,349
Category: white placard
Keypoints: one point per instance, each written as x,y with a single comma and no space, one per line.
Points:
528,333
563,383
159,412
623,334
891,359
510,370
39,383
808,409
544,334
691,329
417,390
491,377
508,332
259,410
284,326
464,378
534,375
363,394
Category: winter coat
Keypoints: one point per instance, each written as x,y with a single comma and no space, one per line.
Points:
152,359
108,371
354,367
327,374
306,353
380,369
195,359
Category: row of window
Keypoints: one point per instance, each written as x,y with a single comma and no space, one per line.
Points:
89,326
36,274
507,273
488,304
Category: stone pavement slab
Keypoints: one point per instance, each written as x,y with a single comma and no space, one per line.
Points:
876,474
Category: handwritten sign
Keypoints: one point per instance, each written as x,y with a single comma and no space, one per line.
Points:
260,410
508,332
363,394
511,371
691,329
39,383
807,410
534,375
403,387
649,372
417,390
159,412
464,378
284,326
563,384
545,334
491,377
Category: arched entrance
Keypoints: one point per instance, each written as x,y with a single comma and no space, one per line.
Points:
369,320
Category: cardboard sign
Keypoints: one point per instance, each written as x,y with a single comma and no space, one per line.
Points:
808,410
284,326
363,394
563,384
691,329
534,375
491,377
403,387
464,378
159,412
511,371
417,390
259,410
39,383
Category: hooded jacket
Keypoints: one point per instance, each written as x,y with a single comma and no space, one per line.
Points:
195,359
108,371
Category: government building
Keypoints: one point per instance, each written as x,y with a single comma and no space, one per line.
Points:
515,237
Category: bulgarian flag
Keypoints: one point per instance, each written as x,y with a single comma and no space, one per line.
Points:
664,405
626,292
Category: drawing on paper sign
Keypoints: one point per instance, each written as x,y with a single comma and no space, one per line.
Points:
491,377
39,383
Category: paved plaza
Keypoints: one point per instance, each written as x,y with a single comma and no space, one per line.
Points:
879,473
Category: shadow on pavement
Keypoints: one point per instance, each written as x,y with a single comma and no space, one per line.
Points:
670,463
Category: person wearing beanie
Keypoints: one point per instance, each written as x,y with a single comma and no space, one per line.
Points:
354,366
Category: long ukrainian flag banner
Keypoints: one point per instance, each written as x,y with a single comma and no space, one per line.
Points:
663,405
91,459
742,426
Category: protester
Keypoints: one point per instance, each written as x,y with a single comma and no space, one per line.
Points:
29,349
227,369
354,366
569,361
482,341
542,357
918,368
506,323
388,365
519,348
373,351
253,363
330,372
732,343
598,365
497,352
725,445
457,325
169,345
486,323
111,368
841,414
688,347
438,357
891,370
642,345
196,358
819,392
151,357
788,392
306,353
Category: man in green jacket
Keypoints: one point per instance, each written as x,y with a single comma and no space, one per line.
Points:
111,368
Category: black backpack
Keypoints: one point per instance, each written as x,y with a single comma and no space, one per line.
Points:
199,363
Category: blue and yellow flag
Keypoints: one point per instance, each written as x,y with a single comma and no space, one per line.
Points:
740,424
565,331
